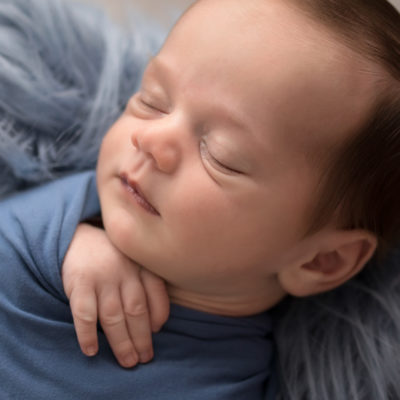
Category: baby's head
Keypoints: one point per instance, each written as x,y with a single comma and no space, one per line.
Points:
246,167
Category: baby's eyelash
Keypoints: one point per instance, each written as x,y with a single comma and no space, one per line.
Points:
218,164
148,104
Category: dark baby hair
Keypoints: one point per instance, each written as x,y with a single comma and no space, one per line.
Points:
362,180
344,344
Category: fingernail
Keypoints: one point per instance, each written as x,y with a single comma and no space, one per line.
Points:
91,351
130,360
146,356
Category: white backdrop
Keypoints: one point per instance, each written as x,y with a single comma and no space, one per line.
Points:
161,9
396,3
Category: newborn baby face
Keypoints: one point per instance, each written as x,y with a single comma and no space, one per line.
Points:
206,179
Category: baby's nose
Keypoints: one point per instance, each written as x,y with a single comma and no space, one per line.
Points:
161,146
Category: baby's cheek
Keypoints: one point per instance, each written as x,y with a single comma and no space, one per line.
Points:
117,227
204,227
201,208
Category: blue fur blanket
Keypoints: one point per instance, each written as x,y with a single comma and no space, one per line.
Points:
66,72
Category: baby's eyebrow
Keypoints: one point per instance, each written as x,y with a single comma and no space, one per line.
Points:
158,66
232,116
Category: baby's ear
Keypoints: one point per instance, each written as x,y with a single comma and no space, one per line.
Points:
333,258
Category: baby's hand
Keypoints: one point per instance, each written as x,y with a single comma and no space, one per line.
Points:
101,283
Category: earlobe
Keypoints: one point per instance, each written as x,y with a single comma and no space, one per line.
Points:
337,257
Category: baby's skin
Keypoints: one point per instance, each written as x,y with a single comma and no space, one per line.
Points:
208,179
103,284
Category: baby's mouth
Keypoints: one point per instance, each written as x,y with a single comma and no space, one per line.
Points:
134,189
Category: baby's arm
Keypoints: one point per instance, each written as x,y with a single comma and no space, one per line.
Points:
101,283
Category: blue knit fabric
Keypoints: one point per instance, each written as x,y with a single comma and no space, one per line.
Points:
198,356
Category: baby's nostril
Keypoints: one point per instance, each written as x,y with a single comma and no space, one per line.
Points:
135,141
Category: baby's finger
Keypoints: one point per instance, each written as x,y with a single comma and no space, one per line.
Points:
137,318
83,303
157,299
112,319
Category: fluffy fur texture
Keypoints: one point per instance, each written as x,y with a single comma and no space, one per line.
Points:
343,344
66,72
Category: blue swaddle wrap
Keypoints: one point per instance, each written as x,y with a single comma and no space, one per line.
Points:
198,356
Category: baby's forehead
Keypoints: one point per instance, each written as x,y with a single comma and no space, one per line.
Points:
267,22
288,75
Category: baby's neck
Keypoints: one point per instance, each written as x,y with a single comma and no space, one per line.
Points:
239,306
